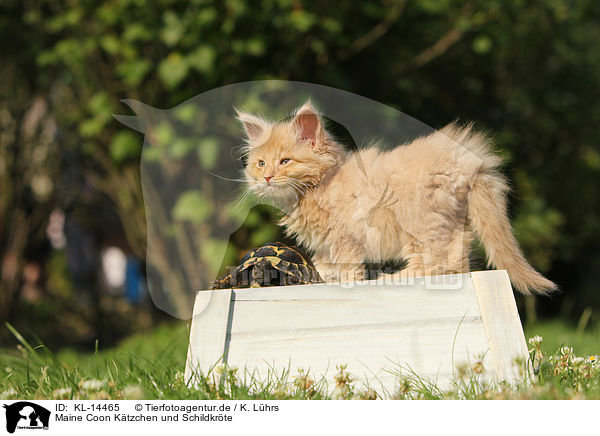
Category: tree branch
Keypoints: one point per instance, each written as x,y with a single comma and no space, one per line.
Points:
447,40
376,32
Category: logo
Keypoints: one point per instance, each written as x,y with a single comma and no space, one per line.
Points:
26,415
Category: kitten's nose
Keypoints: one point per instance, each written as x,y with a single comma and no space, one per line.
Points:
267,178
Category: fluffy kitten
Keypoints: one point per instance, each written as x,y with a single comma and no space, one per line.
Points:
419,203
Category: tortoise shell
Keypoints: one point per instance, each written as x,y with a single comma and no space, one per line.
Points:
273,264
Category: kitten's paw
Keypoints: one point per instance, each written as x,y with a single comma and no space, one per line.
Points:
332,273
351,276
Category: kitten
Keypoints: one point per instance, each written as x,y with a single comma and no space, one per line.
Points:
420,203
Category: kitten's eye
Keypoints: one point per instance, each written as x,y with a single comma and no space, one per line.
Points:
284,161
261,163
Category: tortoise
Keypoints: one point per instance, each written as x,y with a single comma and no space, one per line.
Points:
271,264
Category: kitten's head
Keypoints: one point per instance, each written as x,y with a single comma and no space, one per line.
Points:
287,158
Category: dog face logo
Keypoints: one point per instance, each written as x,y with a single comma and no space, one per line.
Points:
26,415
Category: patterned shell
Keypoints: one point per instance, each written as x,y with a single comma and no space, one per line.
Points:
258,267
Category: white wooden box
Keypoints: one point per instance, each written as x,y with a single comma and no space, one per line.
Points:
428,326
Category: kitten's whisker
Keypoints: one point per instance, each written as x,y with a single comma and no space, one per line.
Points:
241,200
295,193
297,182
248,194
225,178
297,186
305,184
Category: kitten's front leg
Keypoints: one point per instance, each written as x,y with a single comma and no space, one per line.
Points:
343,262
325,266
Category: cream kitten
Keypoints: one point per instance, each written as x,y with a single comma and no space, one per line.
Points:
419,202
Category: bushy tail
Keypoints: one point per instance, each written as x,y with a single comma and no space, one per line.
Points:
488,217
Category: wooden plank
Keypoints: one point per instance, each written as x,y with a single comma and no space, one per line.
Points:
208,334
334,307
501,321
371,353
374,328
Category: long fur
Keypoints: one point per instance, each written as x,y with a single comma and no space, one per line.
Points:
422,202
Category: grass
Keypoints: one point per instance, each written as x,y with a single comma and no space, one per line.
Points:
149,366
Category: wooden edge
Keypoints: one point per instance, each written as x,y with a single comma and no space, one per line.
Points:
502,323
208,333
340,291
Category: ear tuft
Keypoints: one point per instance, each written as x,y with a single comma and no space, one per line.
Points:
254,126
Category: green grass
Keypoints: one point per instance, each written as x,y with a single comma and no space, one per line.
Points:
559,333
150,366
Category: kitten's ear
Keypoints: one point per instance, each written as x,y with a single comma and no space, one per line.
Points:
308,123
254,126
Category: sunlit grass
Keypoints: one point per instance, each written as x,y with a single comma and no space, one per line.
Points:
559,333
150,366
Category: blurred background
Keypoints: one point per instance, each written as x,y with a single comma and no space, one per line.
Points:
72,219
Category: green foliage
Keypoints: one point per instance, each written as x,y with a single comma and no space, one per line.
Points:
164,134
208,152
100,113
173,70
133,72
482,44
59,280
263,235
538,228
124,145
192,206
202,58
525,70
218,254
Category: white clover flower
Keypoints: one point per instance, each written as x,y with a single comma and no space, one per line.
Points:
578,360
8,394
340,392
62,393
92,385
536,340
133,392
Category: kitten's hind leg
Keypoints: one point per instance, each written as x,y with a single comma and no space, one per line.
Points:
412,254
447,254
442,256
459,251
